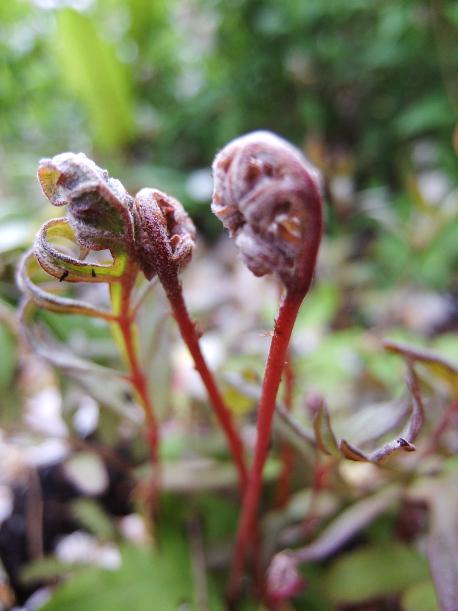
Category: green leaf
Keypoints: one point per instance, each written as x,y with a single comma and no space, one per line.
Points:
220,516
332,363
44,569
197,474
320,307
420,597
373,571
8,352
47,299
71,269
92,70
147,580
431,112
91,516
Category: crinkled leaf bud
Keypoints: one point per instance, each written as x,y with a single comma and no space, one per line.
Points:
66,267
99,208
164,233
268,196
283,578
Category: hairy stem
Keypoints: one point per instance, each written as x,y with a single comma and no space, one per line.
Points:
272,377
126,325
157,214
191,338
287,451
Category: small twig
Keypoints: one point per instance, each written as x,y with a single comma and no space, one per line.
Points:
414,354
347,524
417,418
440,428
281,417
404,442
198,564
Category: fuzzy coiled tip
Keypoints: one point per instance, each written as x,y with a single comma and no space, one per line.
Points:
268,195
164,233
62,174
98,206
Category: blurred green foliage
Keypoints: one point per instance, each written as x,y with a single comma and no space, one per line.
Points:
174,80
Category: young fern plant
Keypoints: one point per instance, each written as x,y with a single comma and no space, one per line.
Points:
268,196
149,234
